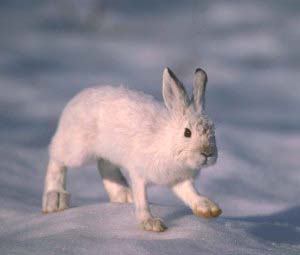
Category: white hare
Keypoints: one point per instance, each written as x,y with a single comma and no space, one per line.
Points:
155,144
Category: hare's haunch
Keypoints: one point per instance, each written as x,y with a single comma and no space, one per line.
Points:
157,144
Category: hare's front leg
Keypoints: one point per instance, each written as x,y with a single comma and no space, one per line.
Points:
147,221
201,206
55,197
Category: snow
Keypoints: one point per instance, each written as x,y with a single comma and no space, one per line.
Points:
251,55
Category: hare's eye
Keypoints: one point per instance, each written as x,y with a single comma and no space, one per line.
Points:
187,132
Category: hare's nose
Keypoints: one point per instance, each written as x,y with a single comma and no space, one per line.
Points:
207,150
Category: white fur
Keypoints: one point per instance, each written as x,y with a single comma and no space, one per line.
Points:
128,129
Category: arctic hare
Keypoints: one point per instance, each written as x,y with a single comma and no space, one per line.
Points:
155,144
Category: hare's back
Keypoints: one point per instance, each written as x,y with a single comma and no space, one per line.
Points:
116,108
128,109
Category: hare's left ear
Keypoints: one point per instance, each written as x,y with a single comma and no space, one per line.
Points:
175,96
198,98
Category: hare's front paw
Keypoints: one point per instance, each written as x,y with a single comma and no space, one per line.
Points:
206,208
152,224
55,201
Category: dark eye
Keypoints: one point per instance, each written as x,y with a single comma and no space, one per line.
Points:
187,132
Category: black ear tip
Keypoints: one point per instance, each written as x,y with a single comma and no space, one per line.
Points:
199,70
170,73
168,69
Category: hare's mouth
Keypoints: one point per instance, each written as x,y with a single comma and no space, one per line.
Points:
210,157
211,160
205,158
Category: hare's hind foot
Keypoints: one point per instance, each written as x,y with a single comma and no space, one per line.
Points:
114,182
55,197
54,201
153,224
123,195
207,209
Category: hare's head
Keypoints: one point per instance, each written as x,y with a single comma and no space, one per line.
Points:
191,133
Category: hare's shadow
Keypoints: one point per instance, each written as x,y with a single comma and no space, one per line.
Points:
280,228
171,218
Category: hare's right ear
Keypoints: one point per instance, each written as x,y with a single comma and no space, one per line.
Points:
174,94
198,98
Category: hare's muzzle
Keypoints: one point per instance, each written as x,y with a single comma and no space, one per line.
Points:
208,150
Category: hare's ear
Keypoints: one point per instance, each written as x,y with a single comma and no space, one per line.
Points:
198,98
174,94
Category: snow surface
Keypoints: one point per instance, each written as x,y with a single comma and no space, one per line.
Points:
251,53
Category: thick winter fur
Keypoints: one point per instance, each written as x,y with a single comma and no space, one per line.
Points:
124,128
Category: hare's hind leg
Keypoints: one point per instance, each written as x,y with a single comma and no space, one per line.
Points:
55,197
114,182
